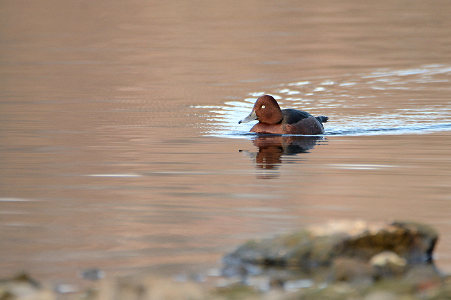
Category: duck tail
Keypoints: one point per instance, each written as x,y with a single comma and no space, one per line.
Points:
322,119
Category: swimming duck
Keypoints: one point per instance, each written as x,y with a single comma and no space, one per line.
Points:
274,120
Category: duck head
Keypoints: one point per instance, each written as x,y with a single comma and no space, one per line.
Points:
266,110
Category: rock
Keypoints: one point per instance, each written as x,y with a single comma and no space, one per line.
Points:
319,246
149,287
237,291
23,286
23,278
387,263
414,242
92,274
339,291
301,249
443,292
347,260
341,260
351,270
423,278
381,295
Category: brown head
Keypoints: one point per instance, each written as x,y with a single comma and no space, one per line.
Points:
266,110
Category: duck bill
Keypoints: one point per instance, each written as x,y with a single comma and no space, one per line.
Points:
252,116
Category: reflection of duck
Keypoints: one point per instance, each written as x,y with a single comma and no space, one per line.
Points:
272,147
286,121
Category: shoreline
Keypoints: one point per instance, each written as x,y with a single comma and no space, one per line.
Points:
339,260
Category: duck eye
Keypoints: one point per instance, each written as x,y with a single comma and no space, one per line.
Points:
263,106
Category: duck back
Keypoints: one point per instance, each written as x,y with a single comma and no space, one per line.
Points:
291,116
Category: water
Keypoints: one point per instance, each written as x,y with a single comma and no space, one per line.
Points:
120,147
374,93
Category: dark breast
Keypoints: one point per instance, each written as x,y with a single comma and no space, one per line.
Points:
291,116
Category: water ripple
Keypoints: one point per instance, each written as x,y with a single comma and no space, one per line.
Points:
408,101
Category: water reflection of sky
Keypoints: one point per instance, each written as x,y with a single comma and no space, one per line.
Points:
376,103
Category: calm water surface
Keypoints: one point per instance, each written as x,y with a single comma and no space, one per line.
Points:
119,142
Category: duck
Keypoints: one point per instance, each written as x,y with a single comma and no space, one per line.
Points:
273,120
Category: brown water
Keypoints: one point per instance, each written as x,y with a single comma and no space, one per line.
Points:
119,142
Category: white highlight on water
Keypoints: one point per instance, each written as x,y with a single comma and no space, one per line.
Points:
351,92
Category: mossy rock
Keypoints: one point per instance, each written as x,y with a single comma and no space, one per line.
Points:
315,247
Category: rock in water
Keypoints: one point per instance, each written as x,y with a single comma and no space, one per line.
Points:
319,246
